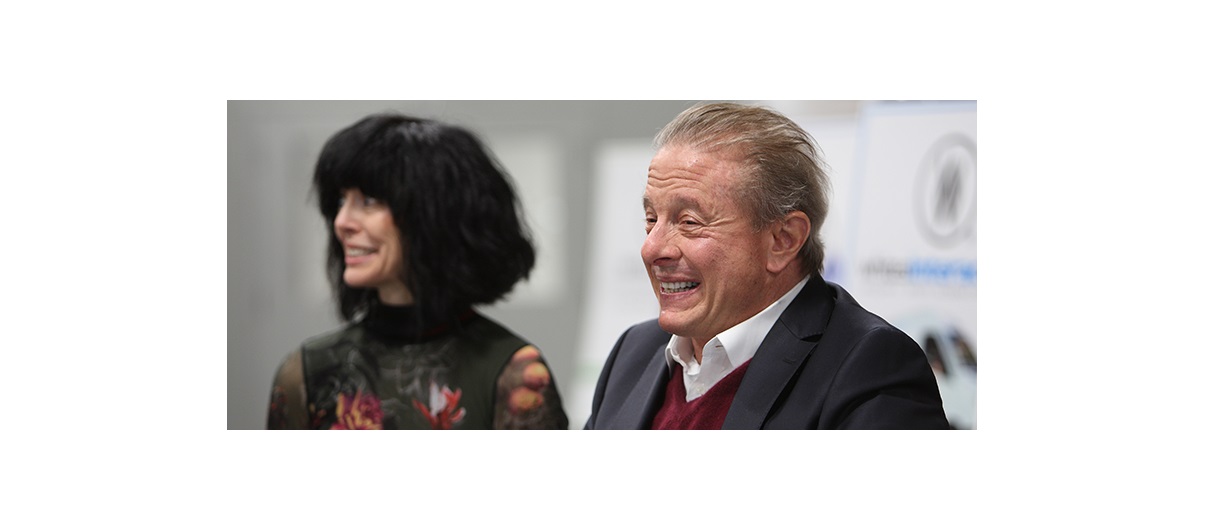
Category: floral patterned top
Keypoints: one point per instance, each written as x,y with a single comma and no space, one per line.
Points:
382,373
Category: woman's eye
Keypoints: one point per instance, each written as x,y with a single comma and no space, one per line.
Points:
357,200
347,196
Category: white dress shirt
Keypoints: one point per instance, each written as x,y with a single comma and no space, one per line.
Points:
728,350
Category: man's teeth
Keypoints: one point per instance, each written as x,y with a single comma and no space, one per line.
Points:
677,287
358,252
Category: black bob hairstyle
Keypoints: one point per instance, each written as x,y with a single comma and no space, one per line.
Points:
464,241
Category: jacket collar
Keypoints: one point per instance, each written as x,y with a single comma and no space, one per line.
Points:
781,355
642,404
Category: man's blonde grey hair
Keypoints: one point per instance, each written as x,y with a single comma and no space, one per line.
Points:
783,168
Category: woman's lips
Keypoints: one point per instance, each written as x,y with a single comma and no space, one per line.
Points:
356,255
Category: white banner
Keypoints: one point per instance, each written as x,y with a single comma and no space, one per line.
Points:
912,243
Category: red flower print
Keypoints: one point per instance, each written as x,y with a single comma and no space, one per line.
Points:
536,376
359,412
525,354
443,412
523,400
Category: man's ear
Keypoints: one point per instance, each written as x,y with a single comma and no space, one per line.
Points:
787,236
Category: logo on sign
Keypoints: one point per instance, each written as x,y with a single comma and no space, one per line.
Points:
945,191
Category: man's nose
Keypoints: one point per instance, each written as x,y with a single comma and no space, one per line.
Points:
659,245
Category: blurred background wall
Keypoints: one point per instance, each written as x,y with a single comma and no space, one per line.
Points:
580,168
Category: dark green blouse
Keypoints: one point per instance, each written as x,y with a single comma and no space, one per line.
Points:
382,372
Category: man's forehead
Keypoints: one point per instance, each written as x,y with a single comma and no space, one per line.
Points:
682,158
702,154
719,167
675,201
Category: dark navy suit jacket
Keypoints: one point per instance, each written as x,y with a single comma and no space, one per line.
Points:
827,363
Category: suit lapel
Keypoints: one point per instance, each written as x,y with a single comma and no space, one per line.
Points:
638,410
781,355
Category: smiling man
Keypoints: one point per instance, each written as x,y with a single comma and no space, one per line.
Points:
749,335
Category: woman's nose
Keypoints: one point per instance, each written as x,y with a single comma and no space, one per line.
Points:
345,222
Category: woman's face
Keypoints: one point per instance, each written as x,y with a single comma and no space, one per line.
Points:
372,247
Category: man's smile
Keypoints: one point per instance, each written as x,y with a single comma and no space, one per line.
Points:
677,287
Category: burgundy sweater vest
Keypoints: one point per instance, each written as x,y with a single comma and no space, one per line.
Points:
705,412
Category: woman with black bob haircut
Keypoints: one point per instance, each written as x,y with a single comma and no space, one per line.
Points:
423,226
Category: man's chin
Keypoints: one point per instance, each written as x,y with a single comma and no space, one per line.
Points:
673,324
